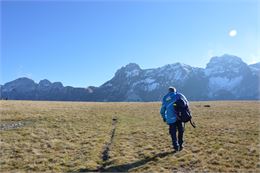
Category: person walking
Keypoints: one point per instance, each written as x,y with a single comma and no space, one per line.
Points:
170,117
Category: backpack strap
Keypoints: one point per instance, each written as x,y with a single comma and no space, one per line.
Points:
193,124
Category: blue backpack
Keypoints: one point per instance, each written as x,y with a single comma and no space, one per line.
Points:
182,110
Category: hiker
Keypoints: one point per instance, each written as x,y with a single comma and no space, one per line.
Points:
169,116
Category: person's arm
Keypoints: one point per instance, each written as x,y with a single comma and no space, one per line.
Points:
162,111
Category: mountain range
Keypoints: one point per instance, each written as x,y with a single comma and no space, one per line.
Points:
225,77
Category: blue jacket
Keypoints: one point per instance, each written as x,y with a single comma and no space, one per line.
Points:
167,109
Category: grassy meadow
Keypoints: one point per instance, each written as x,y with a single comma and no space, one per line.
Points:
71,137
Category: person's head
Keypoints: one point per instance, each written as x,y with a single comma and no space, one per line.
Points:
172,89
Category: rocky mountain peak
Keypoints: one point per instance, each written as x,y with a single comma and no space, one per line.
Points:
45,83
256,65
57,85
225,60
176,66
176,71
23,81
22,84
227,77
132,66
255,68
225,64
130,70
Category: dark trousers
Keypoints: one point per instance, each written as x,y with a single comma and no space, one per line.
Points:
178,125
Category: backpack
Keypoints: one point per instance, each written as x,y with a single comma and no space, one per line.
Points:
182,110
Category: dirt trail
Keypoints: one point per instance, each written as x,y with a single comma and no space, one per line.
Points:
105,153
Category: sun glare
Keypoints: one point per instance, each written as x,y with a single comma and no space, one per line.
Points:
233,33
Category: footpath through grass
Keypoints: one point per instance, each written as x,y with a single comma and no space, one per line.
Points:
72,136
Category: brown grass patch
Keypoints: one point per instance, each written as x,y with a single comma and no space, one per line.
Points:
70,136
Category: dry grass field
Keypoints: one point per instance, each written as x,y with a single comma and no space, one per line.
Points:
72,137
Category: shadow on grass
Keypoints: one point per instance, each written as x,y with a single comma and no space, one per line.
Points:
126,167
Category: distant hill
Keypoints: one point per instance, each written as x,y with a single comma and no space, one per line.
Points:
225,78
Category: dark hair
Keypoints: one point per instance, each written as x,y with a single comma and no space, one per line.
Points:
172,89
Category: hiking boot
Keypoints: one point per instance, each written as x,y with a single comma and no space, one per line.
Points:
176,149
180,148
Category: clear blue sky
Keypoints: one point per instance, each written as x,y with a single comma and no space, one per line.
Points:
83,43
